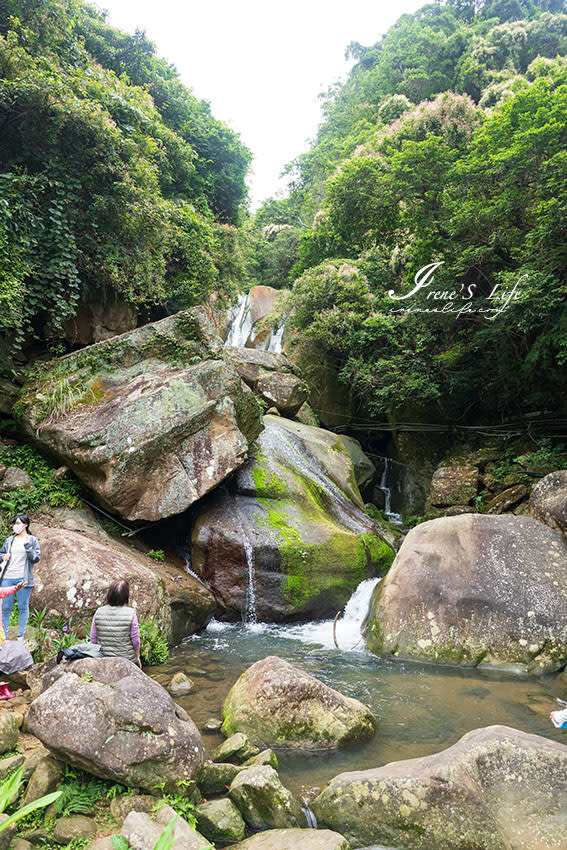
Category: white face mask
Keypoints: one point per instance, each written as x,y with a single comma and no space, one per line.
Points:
18,527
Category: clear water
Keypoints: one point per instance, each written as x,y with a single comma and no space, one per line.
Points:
421,709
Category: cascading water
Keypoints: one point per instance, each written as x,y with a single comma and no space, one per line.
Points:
249,614
275,343
241,323
391,515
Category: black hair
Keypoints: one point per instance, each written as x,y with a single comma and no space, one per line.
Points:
118,593
24,518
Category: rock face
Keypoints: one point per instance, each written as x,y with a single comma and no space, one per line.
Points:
496,788
277,705
476,589
100,320
108,718
364,469
271,376
453,485
263,801
150,421
291,528
548,500
76,569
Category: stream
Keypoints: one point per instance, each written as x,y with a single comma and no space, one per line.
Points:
421,708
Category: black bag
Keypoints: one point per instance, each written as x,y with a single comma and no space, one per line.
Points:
79,650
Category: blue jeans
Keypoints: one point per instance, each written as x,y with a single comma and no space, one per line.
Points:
23,597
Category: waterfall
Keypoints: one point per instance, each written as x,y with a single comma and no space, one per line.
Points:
241,323
249,615
391,515
275,344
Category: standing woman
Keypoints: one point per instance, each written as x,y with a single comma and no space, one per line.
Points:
115,624
19,553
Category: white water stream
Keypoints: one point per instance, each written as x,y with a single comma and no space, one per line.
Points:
241,326
391,515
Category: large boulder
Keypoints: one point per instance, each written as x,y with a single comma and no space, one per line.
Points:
76,569
289,537
150,421
277,705
364,469
108,718
292,839
476,589
496,789
271,376
548,500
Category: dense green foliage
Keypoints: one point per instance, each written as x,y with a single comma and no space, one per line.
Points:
446,144
115,181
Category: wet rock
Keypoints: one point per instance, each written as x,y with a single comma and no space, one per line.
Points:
180,685
74,828
237,749
277,705
215,777
476,589
497,787
506,500
77,568
453,485
213,724
548,500
137,735
293,518
162,421
263,801
9,731
265,757
220,822
294,839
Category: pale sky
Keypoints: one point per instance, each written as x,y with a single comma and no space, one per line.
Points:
261,64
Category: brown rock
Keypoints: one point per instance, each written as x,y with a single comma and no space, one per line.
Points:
453,485
506,500
548,500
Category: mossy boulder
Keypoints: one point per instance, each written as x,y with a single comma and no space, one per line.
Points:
496,788
476,590
149,421
220,822
263,801
278,705
291,528
453,485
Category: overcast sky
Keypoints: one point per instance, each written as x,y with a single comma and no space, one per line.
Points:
261,64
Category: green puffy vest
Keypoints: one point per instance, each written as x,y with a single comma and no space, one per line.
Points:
113,630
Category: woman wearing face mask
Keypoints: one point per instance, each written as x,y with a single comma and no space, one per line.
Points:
18,554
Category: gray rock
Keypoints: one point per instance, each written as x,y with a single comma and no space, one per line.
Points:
22,844
237,748
102,843
548,500
220,822
31,762
496,788
294,839
278,705
164,418
142,832
215,778
7,834
45,779
121,806
364,469
14,478
186,838
9,731
180,685
263,801
74,828
476,589
137,735
213,724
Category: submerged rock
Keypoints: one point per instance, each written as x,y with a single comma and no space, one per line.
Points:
77,568
110,719
496,788
548,500
277,705
263,801
150,421
291,527
476,589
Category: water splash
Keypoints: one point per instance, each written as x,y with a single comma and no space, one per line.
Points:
391,515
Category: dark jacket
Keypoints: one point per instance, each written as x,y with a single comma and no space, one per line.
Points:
32,551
